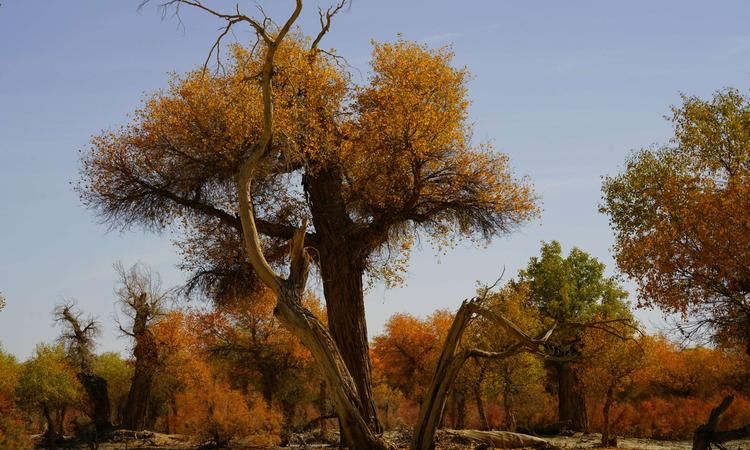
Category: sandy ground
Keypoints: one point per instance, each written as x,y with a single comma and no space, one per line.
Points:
592,441
578,441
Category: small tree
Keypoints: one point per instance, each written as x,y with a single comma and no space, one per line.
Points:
78,338
572,291
611,368
48,385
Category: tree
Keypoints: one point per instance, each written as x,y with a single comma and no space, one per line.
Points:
611,368
78,339
378,165
48,385
517,377
405,354
142,301
12,430
2,301
680,214
259,353
573,292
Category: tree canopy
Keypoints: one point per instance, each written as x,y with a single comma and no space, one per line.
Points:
681,216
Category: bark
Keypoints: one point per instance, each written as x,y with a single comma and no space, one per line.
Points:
341,261
51,433
605,426
483,423
510,416
323,404
136,406
459,418
96,389
313,334
706,434
447,369
571,399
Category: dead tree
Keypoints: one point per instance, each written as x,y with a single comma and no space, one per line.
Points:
706,434
142,302
78,337
452,359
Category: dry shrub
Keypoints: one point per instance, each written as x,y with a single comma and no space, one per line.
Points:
220,414
655,417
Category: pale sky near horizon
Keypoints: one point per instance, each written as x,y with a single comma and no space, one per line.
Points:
567,89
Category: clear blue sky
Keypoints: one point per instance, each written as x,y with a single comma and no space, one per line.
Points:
566,88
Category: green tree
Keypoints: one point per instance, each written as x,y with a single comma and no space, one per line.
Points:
48,386
573,292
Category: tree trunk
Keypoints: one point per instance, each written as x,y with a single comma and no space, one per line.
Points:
510,417
605,425
341,269
571,399
706,434
51,433
136,406
483,423
302,323
447,369
459,417
96,389
323,404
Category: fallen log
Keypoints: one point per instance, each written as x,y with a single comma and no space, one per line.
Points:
500,439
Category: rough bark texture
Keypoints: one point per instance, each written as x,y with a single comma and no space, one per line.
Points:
96,389
571,400
341,268
146,355
315,337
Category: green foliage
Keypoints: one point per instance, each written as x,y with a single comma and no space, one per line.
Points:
47,379
572,289
118,372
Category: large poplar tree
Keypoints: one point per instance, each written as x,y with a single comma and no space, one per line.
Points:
369,167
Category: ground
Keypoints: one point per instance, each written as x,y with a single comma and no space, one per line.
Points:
152,441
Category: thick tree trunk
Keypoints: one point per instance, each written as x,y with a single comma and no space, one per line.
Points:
96,389
342,286
571,399
341,269
136,406
302,323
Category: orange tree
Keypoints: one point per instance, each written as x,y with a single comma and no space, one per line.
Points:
368,166
681,215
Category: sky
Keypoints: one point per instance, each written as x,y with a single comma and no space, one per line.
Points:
567,89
